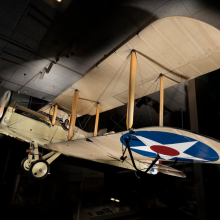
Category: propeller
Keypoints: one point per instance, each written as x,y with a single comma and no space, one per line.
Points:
3,105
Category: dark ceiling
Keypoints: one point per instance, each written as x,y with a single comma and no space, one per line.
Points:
33,33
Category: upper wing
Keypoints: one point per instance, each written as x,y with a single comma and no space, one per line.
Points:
179,47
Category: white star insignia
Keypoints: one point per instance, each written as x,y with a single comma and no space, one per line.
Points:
180,147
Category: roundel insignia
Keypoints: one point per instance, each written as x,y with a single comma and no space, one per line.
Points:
170,146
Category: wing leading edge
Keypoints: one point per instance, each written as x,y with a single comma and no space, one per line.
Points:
181,48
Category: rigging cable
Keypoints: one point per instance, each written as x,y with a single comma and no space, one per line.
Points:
139,70
153,84
112,119
114,77
112,156
150,115
119,70
143,87
55,132
140,112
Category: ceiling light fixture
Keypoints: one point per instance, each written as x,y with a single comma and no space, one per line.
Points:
49,67
57,59
116,200
59,0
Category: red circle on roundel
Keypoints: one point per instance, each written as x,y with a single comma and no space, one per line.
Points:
164,150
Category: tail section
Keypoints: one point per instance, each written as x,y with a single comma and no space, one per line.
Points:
159,167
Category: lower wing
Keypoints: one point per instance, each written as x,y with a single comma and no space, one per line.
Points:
145,144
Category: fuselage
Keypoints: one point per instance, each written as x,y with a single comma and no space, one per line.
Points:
28,125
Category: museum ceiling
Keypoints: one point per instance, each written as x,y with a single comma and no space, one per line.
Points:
72,37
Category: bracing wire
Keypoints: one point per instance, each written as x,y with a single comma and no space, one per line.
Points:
56,130
114,76
143,86
86,119
139,113
150,115
110,118
140,71
119,122
154,84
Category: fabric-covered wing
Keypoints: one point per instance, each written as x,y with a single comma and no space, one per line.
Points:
179,47
109,147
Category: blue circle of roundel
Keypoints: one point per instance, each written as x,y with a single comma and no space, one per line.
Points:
198,150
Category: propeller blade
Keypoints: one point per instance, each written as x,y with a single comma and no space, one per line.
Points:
3,105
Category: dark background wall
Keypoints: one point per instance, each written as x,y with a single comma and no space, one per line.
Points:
208,109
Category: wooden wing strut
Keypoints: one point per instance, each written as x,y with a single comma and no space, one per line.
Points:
3,105
161,101
96,119
131,90
51,111
73,115
54,115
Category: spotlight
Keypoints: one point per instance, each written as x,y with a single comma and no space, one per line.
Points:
59,0
57,59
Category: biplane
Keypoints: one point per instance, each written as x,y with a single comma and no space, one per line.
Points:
169,51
